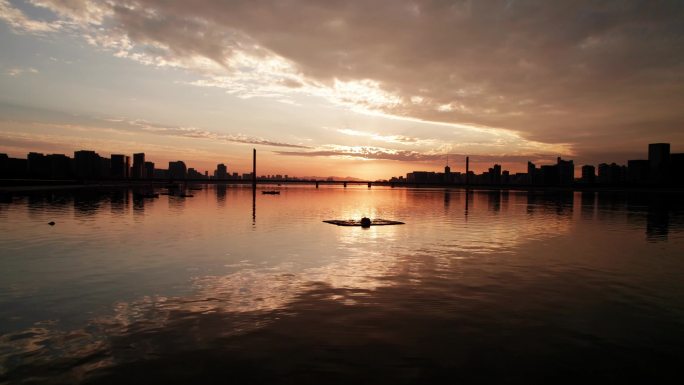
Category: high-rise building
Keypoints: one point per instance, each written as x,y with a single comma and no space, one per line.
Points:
221,171
194,174
12,168
611,173
87,164
121,165
566,172
60,166
588,174
531,173
677,168
658,159
177,170
4,165
548,175
37,165
149,170
105,168
496,174
138,170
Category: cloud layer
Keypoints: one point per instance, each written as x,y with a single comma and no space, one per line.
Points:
604,74
198,133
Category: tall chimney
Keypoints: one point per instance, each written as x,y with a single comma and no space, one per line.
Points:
467,170
254,168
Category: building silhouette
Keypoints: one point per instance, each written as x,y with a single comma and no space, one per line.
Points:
149,170
677,169
588,174
121,165
566,171
638,171
658,159
177,170
662,168
87,165
37,166
221,171
138,170
60,166
194,174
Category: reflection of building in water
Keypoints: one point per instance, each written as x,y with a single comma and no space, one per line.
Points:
494,200
609,203
564,202
119,201
657,218
652,210
220,194
138,203
588,200
468,201
87,203
176,204
561,202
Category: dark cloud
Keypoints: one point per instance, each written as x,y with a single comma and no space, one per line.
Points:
556,72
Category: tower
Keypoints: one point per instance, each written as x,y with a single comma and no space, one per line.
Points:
254,179
467,176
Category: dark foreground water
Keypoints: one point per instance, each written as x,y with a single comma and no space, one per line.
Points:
485,287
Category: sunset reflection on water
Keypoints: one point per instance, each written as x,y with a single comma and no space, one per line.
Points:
165,275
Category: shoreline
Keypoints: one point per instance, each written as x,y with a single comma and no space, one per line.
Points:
10,186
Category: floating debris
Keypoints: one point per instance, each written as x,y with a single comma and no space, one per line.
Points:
363,222
51,223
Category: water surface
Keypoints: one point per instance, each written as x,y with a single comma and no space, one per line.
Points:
478,287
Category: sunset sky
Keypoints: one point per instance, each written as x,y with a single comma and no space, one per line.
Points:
369,89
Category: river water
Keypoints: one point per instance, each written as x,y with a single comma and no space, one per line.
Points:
231,287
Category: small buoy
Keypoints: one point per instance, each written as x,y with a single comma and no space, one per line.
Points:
365,222
51,223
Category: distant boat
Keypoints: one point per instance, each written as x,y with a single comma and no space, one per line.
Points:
185,195
271,192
